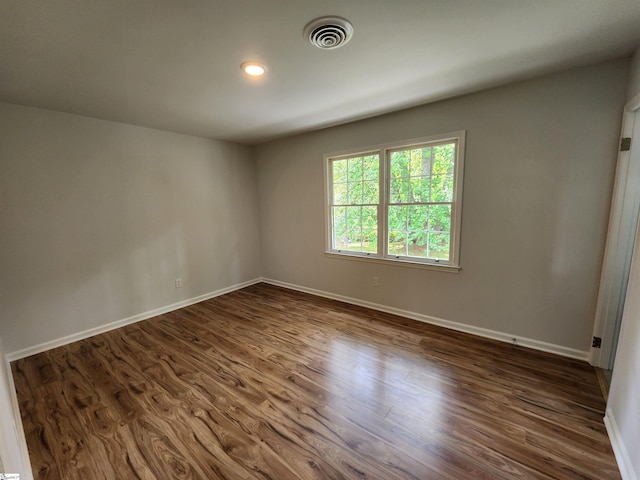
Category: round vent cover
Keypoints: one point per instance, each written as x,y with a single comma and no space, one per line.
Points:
328,32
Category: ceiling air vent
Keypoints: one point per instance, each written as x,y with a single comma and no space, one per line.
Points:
328,32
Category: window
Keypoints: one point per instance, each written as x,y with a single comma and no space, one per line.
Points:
355,205
398,202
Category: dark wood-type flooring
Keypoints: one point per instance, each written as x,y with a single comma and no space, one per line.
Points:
267,383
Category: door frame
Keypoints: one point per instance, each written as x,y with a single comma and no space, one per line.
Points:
623,220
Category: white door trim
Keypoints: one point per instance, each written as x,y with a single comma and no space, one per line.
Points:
625,206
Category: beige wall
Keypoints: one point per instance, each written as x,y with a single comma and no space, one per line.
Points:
100,218
539,169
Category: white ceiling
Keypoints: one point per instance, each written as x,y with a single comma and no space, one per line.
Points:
175,64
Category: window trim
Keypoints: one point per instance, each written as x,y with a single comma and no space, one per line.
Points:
384,150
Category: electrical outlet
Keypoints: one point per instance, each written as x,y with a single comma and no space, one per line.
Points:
178,283
375,281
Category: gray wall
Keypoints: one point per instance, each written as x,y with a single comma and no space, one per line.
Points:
100,218
539,169
634,76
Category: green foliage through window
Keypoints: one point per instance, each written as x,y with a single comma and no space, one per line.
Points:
355,191
421,195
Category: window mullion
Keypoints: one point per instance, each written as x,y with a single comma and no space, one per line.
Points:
383,234
399,204
406,225
361,204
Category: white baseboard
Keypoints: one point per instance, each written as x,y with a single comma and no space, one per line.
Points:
461,327
623,456
58,342
27,472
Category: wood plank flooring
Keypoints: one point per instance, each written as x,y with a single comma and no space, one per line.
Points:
267,383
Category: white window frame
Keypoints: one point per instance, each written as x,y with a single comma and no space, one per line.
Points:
384,150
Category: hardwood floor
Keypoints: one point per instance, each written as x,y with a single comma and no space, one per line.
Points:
267,383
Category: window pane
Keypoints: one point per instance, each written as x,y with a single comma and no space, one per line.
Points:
339,171
440,218
439,232
417,217
411,175
370,217
356,181
354,228
371,192
355,193
400,163
398,230
340,194
370,229
439,246
398,217
339,228
417,236
444,158
397,242
370,241
421,189
421,161
372,168
355,169
442,188
400,186
417,244
399,189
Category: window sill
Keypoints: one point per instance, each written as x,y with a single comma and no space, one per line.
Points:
395,263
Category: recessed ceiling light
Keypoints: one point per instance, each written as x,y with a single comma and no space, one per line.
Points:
253,69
